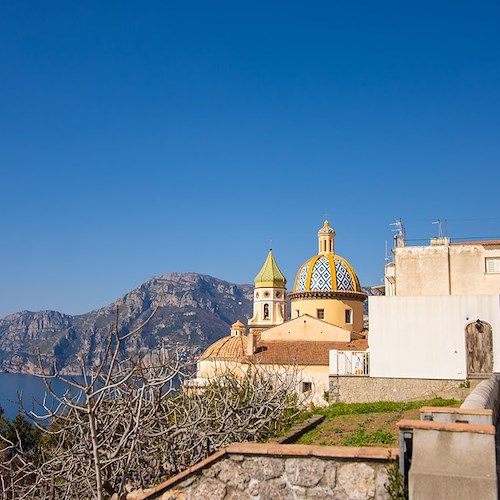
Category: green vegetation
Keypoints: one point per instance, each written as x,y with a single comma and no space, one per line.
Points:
364,424
363,438
395,486
336,409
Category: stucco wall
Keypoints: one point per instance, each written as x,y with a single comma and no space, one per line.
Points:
334,311
209,368
362,389
267,471
317,375
445,269
424,337
422,270
307,328
452,461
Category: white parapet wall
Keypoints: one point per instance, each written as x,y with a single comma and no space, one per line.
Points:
424,336
485,396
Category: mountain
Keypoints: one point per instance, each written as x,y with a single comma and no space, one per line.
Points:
194,311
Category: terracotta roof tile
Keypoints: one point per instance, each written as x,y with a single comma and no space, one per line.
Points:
230,347
477,242
301,352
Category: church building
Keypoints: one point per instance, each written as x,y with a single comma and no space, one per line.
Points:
326,312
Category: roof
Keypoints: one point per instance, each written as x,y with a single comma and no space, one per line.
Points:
286,352
270,274
325,229
477,242
326,272
230,347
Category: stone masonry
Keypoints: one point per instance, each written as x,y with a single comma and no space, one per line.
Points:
249,471
361,389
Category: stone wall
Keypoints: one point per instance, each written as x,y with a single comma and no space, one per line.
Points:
251,471
361,389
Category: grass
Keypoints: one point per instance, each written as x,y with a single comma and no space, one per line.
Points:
365,424
336,409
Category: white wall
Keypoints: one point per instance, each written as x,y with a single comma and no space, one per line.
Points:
424,337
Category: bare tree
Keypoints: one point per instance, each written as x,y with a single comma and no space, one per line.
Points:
126,426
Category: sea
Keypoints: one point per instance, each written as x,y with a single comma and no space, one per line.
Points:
29,387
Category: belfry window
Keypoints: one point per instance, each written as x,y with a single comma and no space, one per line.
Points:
266,311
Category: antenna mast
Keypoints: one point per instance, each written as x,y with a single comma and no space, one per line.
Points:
399,237
438,222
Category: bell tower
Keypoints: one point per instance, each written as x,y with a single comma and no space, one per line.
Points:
269,298
326,236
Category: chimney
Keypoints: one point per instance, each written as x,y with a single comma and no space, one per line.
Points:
251,344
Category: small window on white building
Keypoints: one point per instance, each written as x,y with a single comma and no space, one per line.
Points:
307,386
492,265
348,316
320,313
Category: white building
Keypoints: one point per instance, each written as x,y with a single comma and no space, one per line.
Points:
437,327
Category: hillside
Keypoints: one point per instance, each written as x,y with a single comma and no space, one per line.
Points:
195,310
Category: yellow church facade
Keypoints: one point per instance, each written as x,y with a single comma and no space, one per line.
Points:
326,312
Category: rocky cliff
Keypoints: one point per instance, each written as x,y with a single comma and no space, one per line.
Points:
194,311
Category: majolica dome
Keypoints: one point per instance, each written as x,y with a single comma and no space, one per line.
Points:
328,272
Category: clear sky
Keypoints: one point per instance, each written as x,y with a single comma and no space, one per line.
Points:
138,138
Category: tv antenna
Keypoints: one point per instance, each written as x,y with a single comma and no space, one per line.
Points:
438,223
399,229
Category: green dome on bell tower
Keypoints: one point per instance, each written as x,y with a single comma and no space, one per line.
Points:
270,274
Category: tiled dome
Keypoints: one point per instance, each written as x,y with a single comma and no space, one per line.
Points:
326,272
230,347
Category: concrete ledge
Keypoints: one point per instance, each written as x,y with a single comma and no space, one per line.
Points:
458,415
446,426
309,450
462,411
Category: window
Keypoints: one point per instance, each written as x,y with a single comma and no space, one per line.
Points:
306,386
492,265
297,313
348,316
266,311
320,313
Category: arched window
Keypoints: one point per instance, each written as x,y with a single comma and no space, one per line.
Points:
266,311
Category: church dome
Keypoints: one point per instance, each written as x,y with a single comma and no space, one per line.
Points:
230,347
326,272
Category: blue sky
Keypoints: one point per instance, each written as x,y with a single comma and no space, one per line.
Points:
138,138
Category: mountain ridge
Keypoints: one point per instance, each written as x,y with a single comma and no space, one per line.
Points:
196,309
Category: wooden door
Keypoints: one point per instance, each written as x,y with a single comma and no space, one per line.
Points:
479,345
